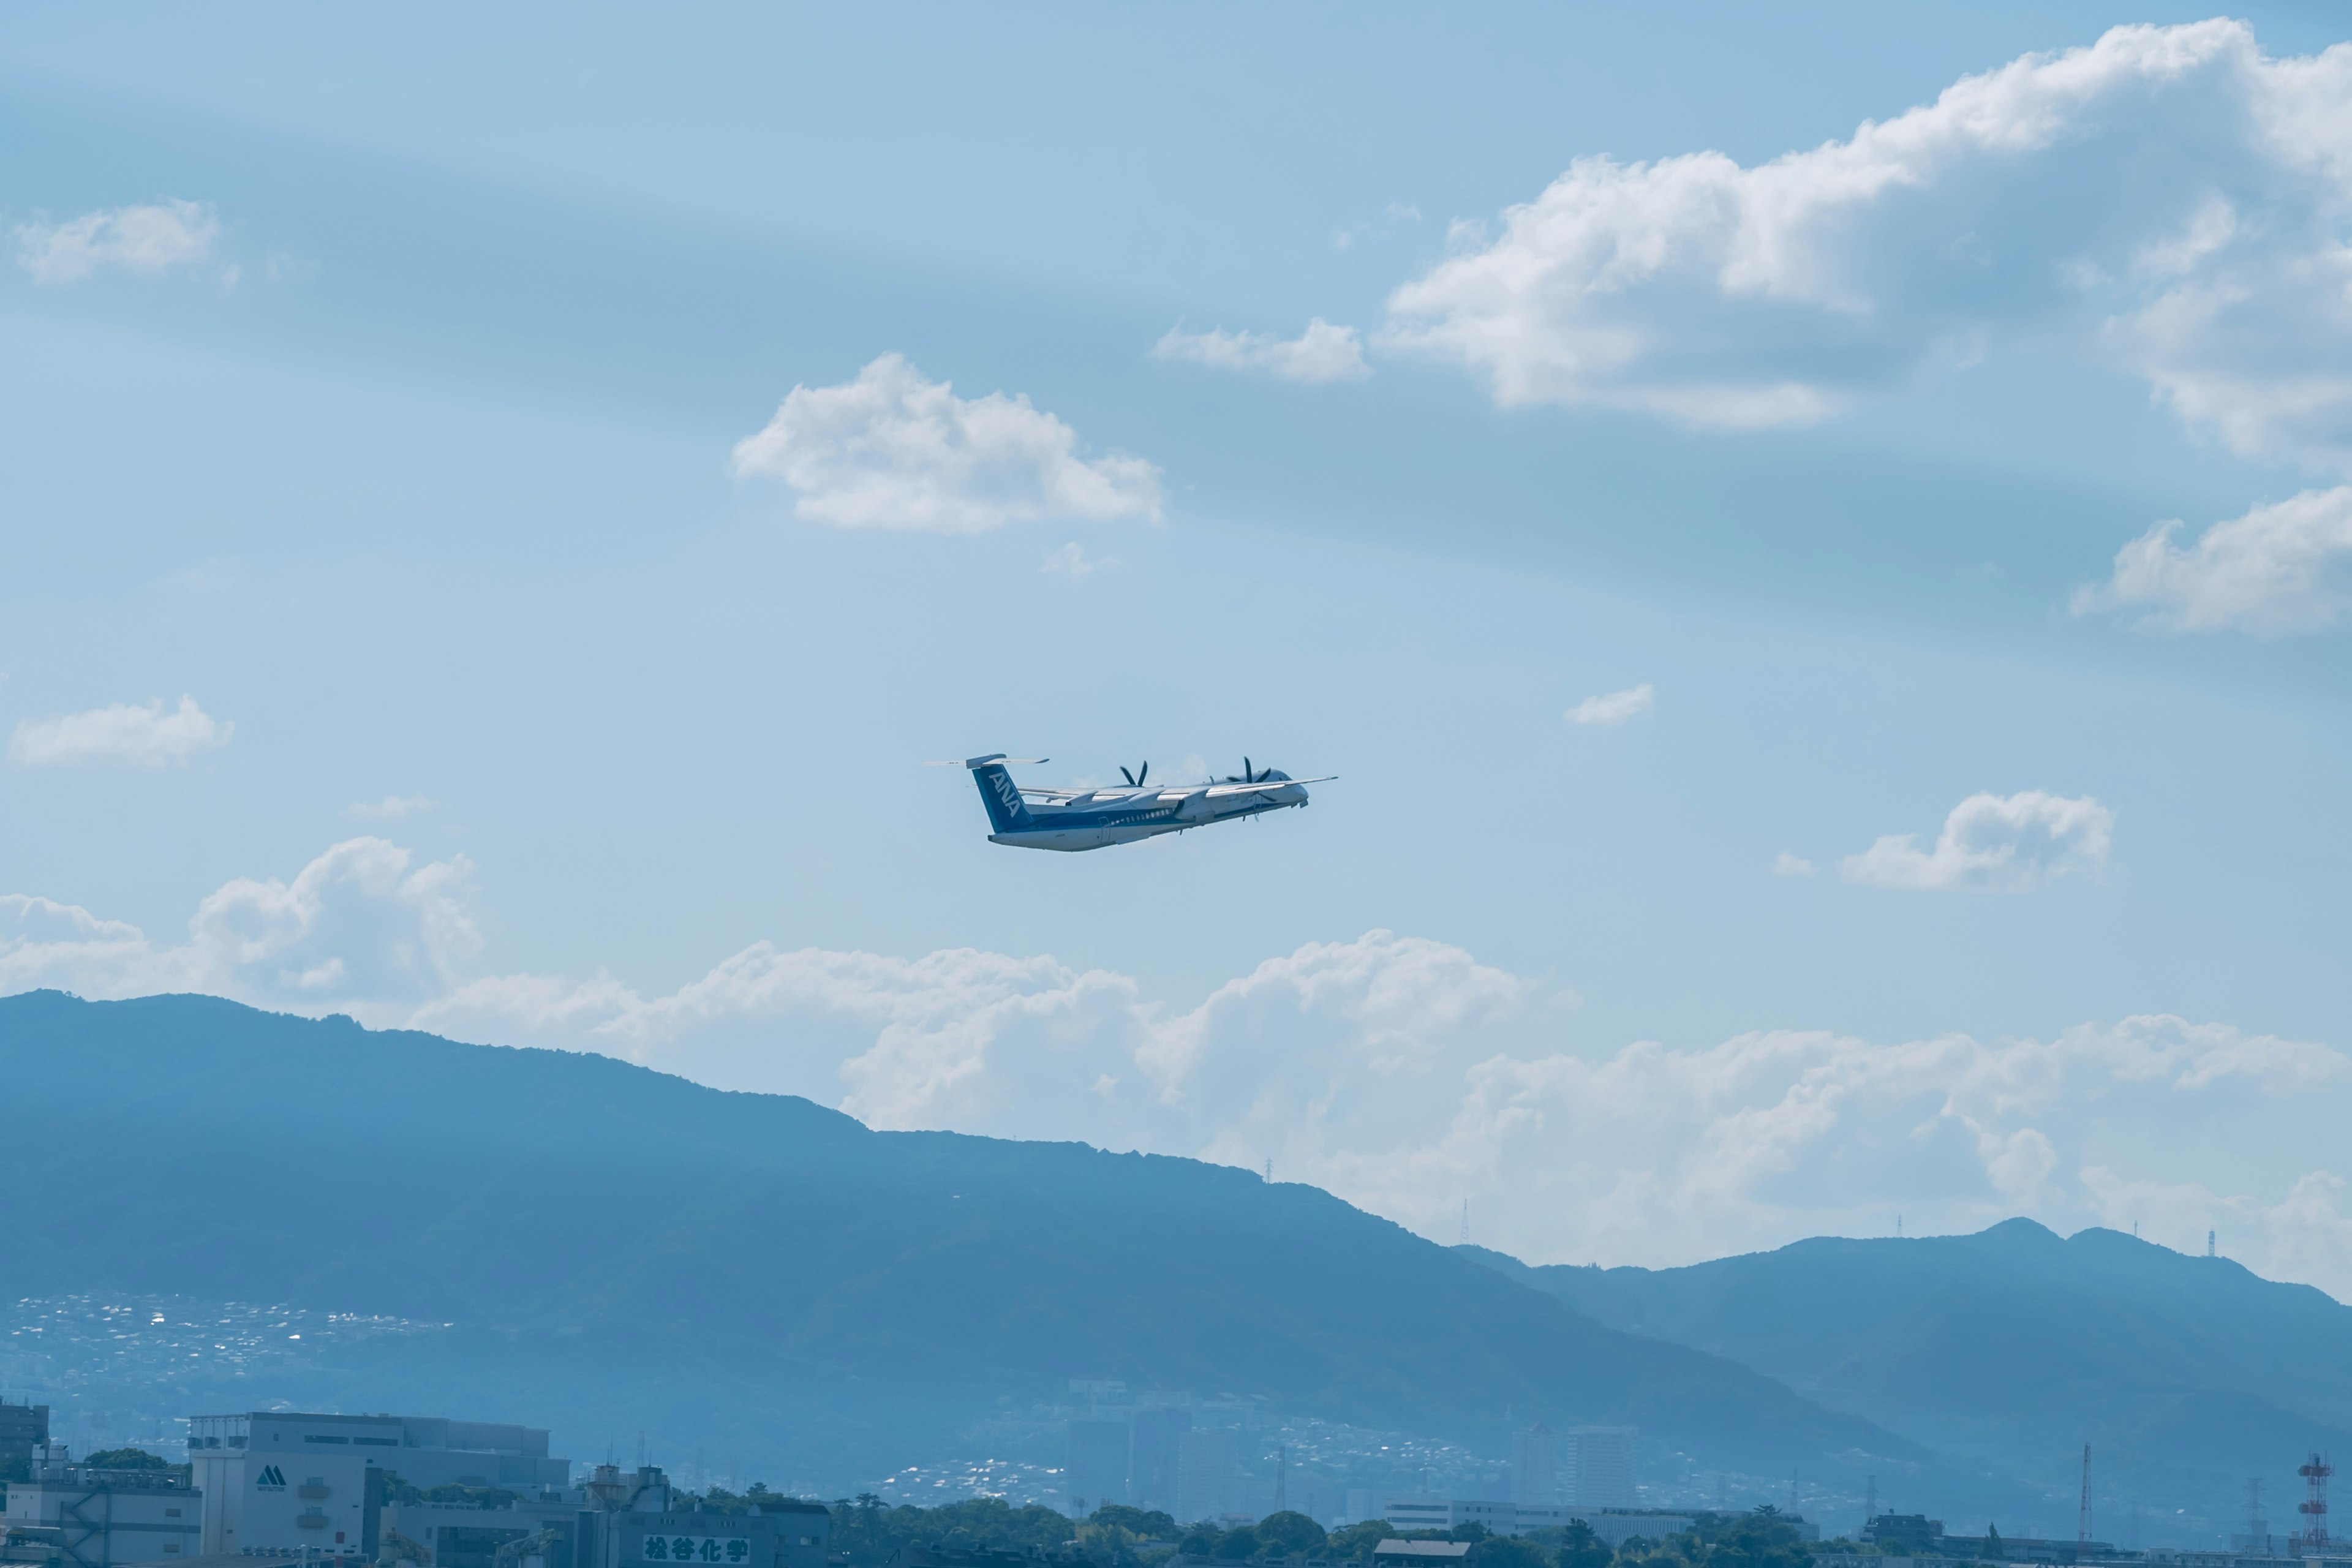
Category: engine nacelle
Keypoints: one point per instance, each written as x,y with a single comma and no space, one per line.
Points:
1192,805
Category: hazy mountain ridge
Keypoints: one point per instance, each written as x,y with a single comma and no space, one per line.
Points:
618,1247
2185,1375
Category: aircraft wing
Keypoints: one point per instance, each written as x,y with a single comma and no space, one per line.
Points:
1218,792
1052,794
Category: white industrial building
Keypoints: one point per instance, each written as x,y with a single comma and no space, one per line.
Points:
1614,1526
95,1518
277,1481
1450,1513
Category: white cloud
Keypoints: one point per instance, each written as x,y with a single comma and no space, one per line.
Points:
149,240
2016,206
893,450
2280,569
356,929
1321,353
391,808
1614,709
1399,1072
1071,560
143,735
2007,844
1787,865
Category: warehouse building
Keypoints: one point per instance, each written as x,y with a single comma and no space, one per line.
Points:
1614,1526
277,1482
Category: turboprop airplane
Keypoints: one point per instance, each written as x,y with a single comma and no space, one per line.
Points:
1028,817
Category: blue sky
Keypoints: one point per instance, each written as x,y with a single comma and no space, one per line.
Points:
382,386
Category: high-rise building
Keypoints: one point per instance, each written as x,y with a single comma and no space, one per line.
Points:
1095,1469
23,1428
1534,1465
1152,1456
1600,1466
1208,1475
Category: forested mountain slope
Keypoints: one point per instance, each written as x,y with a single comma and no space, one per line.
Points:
2187,1374
618,1250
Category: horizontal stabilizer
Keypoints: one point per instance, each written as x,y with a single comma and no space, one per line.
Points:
978,762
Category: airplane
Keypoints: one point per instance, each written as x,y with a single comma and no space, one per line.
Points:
1029,817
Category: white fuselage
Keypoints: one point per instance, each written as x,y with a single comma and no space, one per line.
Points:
1098,818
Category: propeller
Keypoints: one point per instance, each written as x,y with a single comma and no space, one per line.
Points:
1135,780
1246,777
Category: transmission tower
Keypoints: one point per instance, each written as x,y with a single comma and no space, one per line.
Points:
1870,1505
2082,1525
2313,1507
2257,1527
1465,1222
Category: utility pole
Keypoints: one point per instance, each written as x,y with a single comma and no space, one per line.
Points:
2082,1525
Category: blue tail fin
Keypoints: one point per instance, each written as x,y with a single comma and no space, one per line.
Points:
1007,812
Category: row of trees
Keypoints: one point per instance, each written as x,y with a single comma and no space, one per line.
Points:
1758,1540
1114,1536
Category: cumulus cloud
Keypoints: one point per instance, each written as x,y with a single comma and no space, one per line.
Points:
1399,1072
148,240
2169,200
1787,865
2004,844
142,735
1614,709
360,926
894,450
2281,569
1321,353
1784,1133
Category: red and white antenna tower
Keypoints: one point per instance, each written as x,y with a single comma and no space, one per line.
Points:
2313,1508
2083,1523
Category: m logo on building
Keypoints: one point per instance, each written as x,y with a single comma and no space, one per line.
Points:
272,1480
